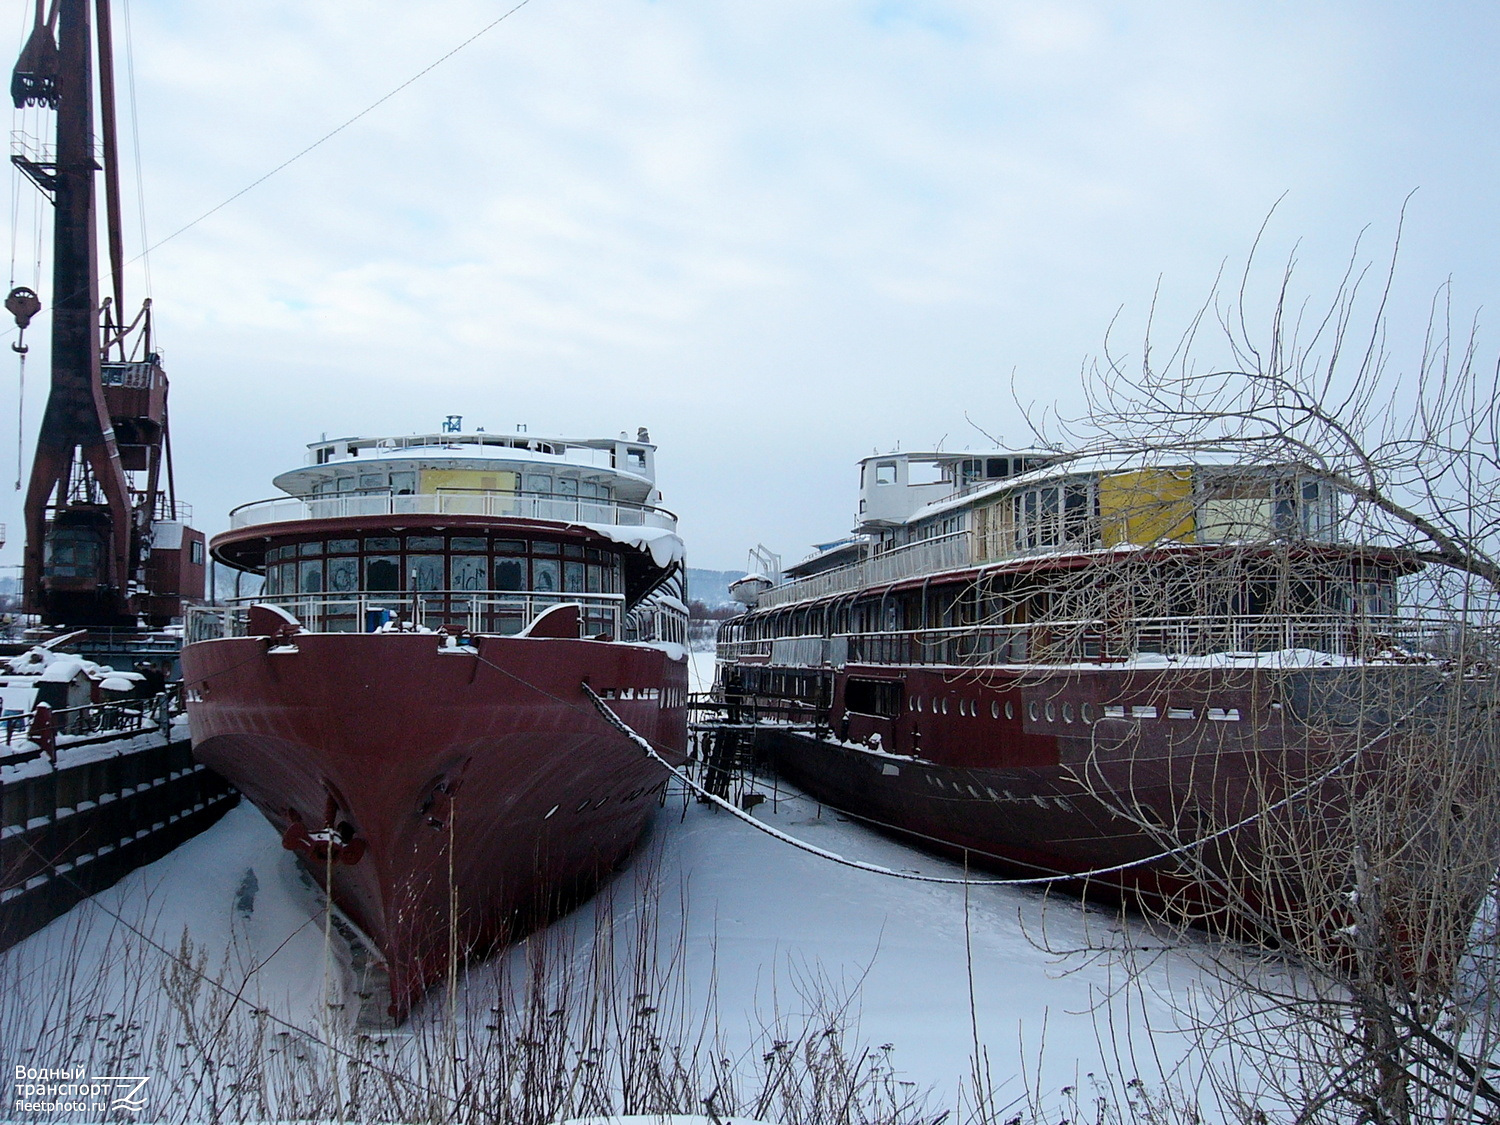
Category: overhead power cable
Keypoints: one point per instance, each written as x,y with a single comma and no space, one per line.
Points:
339,129
297,156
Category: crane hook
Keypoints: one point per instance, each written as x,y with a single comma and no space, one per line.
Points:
23,304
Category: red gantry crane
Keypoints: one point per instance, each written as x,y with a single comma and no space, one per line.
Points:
105,547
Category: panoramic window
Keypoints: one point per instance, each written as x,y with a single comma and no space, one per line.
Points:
310,578
510,574
426,572
343,575
468,571
546,575
382,572
404,484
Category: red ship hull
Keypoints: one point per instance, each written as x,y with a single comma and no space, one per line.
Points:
448,797
1001,765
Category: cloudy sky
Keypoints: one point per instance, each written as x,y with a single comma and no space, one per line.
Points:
781,234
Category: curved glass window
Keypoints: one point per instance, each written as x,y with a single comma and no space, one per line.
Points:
343,575
469,571
546,575
382,572
510,574
310,577
426,572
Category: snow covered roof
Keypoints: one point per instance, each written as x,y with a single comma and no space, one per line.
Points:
1086,465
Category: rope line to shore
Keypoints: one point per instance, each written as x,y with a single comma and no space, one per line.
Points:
619,724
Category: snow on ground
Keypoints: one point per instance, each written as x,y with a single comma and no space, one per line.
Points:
761,920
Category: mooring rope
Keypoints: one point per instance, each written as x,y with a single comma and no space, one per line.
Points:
1030,881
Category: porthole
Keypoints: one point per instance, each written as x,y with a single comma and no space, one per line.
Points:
994,710
1032,712
1010,710
1051,711
945,706
1087,712
1067,712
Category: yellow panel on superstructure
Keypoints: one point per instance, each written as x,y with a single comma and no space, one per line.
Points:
1147,506
463,491
467,480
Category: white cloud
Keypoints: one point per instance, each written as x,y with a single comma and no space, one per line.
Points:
777,233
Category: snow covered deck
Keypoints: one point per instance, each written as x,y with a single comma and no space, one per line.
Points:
499,505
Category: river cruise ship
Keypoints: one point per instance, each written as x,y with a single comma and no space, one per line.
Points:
403,696
1058,665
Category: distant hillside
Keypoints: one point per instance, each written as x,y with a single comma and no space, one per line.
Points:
711,587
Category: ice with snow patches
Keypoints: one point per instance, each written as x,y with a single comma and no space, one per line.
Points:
763,927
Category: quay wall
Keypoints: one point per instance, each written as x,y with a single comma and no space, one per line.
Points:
108,804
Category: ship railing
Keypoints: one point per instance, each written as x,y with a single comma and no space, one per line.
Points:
1104,642
472,611
455,502
929,556
89,722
